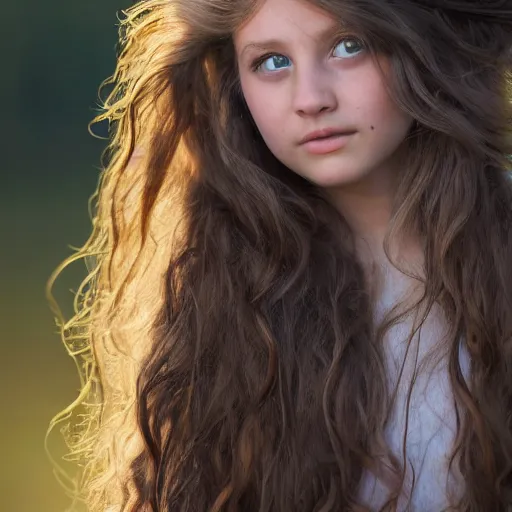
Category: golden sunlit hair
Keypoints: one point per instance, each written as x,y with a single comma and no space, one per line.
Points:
223,334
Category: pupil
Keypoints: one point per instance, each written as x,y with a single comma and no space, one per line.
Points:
279,60
350,46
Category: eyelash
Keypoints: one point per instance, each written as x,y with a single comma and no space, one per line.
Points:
260,60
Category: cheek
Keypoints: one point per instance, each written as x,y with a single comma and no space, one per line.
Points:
376,105
265,111
269,123
379,114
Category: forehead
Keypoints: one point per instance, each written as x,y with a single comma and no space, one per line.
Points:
285,18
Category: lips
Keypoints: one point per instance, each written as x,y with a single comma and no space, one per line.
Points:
326,142
324,134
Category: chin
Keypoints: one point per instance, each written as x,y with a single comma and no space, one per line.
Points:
337,178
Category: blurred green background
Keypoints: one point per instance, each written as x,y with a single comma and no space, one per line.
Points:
55,57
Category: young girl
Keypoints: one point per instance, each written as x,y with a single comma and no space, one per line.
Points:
300,288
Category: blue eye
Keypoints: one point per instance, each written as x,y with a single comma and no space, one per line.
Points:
272,62
350,48
276,62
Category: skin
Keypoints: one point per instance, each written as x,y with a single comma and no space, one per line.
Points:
316,79
313,82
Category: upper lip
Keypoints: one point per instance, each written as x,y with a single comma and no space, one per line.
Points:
326,132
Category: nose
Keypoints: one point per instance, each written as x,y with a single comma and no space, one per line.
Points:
314,92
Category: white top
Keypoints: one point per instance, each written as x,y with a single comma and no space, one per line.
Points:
432,422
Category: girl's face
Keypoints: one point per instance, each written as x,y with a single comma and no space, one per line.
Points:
299,76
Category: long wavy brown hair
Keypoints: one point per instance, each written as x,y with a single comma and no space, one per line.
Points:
224,332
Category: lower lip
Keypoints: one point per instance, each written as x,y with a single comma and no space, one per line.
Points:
327,145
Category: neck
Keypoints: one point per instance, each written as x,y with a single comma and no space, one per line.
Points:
368,208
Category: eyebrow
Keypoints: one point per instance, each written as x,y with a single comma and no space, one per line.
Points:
276,43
